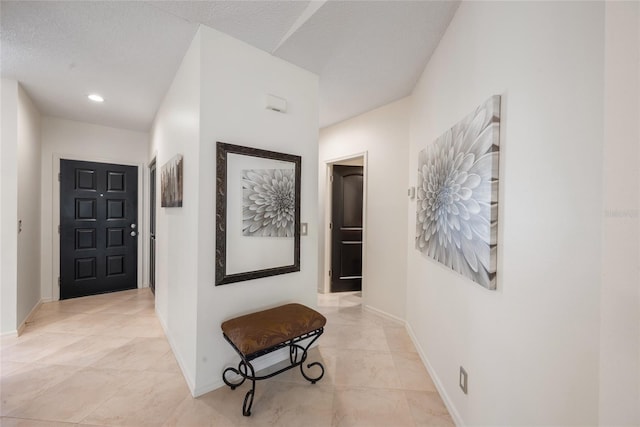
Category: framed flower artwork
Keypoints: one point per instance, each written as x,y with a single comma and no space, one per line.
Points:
257,213
457,196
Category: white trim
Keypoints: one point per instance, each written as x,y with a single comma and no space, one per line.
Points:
147,215
55,214
455,415
328,206
27,319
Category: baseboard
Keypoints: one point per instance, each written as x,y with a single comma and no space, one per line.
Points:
9,334
26,320
457,419
181,363
384,314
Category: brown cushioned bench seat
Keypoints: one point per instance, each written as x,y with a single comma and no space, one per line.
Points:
257,334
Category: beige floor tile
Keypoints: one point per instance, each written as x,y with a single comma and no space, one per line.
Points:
398,340
33,347
136,355
20,422
360,368
85,305
147,400
166,363
75,397
428,409
363,338
411,372
135,326
85,351
26,383
7,367
199,412
130,307
41,320
370,408
287,404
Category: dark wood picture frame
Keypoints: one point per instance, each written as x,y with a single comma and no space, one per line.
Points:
222,152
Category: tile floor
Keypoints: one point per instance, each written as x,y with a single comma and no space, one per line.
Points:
104,361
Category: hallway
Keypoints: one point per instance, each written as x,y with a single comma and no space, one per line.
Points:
104,361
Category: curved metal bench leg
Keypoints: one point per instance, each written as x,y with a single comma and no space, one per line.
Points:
303,358
246,371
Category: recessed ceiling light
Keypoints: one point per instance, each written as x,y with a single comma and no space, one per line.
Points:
95,97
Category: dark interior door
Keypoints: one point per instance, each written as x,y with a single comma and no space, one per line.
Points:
346,226
152,227
98,228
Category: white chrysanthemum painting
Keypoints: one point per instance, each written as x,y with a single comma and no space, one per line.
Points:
457,196
268,202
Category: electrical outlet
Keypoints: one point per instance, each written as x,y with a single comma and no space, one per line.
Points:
463,380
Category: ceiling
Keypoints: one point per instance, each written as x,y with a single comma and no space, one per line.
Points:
367,53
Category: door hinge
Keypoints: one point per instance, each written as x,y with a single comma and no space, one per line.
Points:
58,177
331,178
330,273
330,226
58,229
59,281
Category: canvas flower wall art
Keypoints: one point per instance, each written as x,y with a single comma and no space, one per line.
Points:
171,179
268,202
457,196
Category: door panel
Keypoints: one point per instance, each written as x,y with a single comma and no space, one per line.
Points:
346,234
98,231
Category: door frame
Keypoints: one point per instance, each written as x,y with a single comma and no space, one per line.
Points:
147,215
55,214
328,205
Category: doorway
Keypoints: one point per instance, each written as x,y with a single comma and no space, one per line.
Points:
345,232
98,228
152,226
346,228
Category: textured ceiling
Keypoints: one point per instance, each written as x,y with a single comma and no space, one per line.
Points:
367,53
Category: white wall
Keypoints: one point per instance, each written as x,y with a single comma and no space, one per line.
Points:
383,134
20,195
236,79
74,140
219,94
620,309
176,130
530,348
28,274
9,206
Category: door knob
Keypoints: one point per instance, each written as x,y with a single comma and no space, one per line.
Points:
133,234
133,226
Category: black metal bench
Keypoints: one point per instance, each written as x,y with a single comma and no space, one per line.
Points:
257,334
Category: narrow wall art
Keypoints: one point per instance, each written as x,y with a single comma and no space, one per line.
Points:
171,183
457,196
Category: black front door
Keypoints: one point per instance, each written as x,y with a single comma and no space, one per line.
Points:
346,226
98,228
